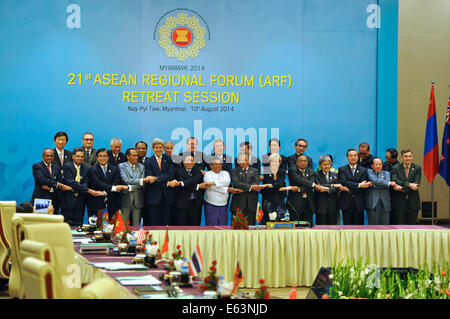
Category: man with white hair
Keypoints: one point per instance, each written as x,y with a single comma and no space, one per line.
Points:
115,155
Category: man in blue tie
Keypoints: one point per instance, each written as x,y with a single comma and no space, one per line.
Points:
105,177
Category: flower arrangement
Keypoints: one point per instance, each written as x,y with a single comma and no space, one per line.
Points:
262,292
239,220
358,280
151,246
177,258
210,282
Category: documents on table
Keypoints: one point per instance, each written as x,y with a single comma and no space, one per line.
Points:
139,280
114,266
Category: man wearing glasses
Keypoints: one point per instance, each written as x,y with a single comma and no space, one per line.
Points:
300,147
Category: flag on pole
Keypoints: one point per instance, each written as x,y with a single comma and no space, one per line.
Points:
444,168
431,150
165,246
105,217
196,262
238,278
259,213
293,293
120,225
141,235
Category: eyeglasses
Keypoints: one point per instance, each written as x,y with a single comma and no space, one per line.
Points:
302,145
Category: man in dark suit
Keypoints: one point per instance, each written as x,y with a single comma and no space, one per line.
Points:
247,179
246,147
406,200
106,178
47,178
219,153
191,149
274,147
90,158
327,206
189,197
300,147
353,177
132,174
159,194
73,202
391,160
301,203
365,158
141,148
61,155
115,155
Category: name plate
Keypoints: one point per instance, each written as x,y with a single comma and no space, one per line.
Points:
280,225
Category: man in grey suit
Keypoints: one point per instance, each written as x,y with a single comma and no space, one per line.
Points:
132,174
247,179
90,158
378,197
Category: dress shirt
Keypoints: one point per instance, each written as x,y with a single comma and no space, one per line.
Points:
217,194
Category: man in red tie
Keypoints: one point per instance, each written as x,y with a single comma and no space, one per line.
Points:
61,155
159,194
115,155
406,199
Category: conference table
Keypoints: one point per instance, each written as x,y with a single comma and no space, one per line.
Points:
287,257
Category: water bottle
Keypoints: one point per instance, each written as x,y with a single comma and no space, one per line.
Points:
286,216
184,266
220,284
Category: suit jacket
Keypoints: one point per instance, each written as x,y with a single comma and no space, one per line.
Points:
199,158
155,191
183,194
266,164
367,162
379,190
254,163
347,179
227,165
327,201
92,159
68,198
399,176
292,161
99,182
305,182
121,158
135,192
247,199
388,166
43,177
67,157
273,195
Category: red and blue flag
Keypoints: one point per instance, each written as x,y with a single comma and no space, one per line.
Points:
431,150
444,169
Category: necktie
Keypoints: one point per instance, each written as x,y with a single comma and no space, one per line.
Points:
406,171
77,178
189,172
104,170
159,162
245,172
49,170
115,159
353,170
326,175
61,159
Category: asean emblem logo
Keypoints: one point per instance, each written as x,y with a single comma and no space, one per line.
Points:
182,36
